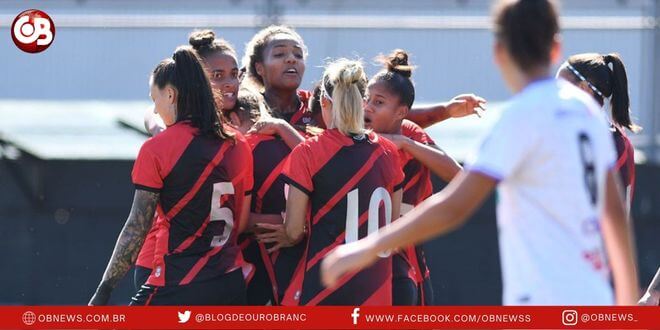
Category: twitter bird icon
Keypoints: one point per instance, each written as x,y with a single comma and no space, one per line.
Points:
184,317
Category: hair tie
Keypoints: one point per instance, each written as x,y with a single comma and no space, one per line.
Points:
582,78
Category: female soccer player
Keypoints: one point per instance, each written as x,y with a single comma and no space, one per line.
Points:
348,180
269,152
592,73
553,158
390,95
275,64
221,64
196,175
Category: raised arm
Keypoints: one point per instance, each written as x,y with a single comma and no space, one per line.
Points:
275,126
460,106
128,244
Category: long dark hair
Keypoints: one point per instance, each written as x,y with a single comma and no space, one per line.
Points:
610,82
195,99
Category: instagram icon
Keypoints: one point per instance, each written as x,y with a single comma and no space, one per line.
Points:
569,317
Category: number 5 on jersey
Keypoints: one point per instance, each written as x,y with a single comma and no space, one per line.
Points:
219,213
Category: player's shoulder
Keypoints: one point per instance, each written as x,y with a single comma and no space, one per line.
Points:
415,132
542,101
409,128
172,137
324,138
536,96
388,146
240,142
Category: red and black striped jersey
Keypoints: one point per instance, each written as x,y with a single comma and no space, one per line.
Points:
349,181
625,164
417,185
202,183
416,188
269,153
303,116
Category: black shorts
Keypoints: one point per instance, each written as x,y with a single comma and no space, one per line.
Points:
285,263
404,289
227,289
404,292
426,293
260,287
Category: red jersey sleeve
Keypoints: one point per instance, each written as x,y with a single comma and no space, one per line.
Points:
147,174
297,169
416,133
392,153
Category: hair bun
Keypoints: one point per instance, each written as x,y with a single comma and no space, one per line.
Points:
351,73
397,62
202,38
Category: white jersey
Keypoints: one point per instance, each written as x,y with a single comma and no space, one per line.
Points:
550,152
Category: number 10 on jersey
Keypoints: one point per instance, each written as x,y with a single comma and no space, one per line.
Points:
380,195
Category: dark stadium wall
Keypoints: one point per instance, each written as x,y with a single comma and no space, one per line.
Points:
58,231
60,219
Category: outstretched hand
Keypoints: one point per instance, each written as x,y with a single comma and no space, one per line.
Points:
466,104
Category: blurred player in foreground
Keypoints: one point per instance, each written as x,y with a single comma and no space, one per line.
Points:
560,208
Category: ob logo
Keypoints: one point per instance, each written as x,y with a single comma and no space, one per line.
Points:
33,31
